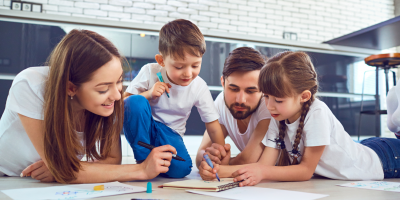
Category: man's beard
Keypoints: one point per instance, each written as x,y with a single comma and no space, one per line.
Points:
239,115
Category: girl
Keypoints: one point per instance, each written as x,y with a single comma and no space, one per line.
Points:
304,137
55,115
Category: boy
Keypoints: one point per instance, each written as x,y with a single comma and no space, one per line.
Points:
155,118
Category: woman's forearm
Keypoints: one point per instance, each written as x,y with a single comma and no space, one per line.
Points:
109,160
199,157
97,173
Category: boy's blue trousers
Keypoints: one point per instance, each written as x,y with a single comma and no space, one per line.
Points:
139,125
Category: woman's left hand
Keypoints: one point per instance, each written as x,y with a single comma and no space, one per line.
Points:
38,171
249,175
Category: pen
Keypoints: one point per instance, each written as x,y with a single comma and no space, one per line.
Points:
149,146
162,80
210,163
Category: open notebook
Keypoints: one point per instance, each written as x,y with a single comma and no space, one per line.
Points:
225,184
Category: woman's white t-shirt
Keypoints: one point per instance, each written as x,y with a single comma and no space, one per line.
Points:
230,123
342,158
26,98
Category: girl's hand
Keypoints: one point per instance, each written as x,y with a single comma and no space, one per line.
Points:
157,162
249,175
38,171
158,89
206,172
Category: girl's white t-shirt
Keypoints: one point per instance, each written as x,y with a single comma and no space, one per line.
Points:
174,111
342,158
230,123
26,98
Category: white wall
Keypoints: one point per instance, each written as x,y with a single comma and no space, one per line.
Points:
313,20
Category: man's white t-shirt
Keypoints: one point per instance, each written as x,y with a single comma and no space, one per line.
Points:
26,98
230,123
174,111
342,158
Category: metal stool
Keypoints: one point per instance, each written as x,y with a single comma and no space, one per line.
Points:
385,62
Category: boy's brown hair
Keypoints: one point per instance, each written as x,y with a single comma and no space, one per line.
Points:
180,36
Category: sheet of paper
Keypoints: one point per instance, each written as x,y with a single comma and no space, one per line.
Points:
261,193
79,191
374,185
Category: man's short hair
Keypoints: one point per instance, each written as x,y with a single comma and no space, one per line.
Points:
179,36
243,59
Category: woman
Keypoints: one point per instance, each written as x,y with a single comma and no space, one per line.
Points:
55,115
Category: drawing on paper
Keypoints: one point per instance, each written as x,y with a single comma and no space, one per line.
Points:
81,191
375,185
119,188
66,193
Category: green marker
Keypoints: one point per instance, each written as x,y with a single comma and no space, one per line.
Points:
162,80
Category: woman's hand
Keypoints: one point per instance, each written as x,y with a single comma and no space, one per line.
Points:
249,175
38,171
206,172
157,162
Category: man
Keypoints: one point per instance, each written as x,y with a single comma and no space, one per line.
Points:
243,113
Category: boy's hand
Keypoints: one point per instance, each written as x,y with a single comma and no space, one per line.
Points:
206,172
219,154
157,161
158,89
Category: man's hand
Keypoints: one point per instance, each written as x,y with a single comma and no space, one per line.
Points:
206,172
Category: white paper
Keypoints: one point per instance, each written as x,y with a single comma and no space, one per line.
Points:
374,185
81,191
255,193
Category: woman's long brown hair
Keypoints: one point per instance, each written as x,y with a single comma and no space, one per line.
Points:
285,75
79,54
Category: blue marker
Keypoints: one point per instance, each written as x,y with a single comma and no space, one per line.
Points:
149,189
210,163
162,80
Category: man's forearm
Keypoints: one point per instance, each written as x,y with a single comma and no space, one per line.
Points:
199,157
